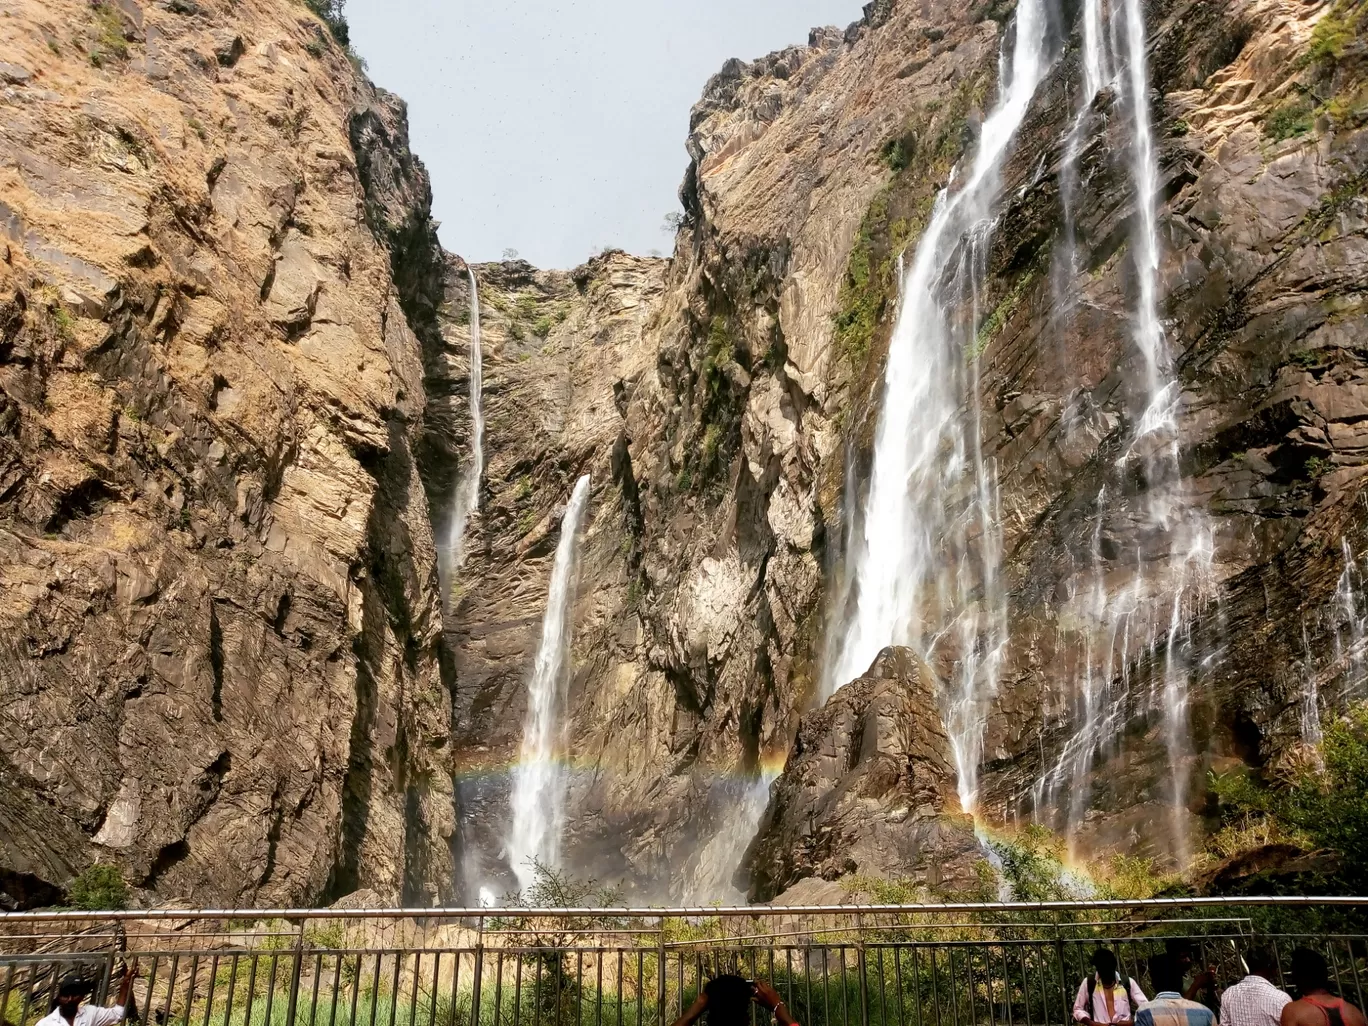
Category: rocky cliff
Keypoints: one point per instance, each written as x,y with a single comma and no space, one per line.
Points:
220,656
234,409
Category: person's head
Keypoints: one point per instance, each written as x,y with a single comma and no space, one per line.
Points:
729,999
1309,971
70,992
1104,961
1165,974
1262,962
1179,952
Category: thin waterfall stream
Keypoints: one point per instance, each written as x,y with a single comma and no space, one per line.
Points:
539,779
1141,609
466,499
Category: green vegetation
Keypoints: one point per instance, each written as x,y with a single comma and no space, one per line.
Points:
331,13
1316,467
100,888
920,157
1290,120
1001,315
1324,804
110,42
196,127
541,327
1333,33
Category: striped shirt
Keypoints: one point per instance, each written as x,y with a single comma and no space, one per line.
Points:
1253,1002
1122,1002
1171,1009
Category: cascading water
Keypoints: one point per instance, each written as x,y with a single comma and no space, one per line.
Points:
467,494
926,561
1142,609
538,802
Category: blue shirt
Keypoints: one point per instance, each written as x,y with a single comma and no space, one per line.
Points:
1171,1009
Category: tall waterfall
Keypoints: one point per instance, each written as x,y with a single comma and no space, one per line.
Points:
1137,607
931,511
467,495
538,803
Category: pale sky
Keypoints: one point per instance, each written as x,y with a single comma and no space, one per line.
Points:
557,127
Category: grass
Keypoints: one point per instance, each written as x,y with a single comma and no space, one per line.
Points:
998,319
1292,119
110,43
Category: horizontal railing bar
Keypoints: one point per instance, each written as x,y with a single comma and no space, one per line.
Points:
735,911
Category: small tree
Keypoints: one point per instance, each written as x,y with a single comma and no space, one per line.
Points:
100,888
557,986
674,221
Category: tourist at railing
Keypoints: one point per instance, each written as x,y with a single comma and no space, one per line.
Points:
1107,996
1169,1007
1316,1004
73,990
1181,954
727,1001
1255,1000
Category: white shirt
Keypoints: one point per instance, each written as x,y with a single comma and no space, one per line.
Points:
1253,1002
86,1015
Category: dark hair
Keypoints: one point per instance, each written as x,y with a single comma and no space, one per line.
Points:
1179,951
1309,971
729,999
1104,961
1262,961
74,986
1166,974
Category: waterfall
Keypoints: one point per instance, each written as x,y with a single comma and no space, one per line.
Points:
916,556
1140,606
538,802
467,493
743,804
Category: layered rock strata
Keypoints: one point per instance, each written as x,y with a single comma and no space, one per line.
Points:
219,655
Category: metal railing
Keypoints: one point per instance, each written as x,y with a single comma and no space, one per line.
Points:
1016,964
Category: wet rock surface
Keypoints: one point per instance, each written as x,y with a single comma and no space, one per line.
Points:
869,790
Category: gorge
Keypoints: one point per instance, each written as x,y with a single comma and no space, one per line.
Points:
989,452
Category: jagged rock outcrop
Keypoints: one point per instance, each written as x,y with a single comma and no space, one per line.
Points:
869,790
218,622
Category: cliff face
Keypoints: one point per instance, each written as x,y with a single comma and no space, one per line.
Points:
235,409
748,418
219,664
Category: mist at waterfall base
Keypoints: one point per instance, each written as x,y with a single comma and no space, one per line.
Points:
539,779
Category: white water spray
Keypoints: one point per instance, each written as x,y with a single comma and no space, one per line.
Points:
1141,605
467,494
924,569
539,780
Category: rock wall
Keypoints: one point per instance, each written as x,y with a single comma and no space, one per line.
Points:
220,634
234,409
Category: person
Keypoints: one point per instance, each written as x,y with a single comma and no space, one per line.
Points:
727,1000
1107,996
1180,953
1315,1004
1169,1007
70,1012
1255,1000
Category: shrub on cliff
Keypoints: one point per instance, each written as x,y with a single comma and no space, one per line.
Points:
100,888
331,13
1324,803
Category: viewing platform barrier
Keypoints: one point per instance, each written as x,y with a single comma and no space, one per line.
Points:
1004,964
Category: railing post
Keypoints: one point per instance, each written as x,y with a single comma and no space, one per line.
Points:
660,975
479,971
291,1009
860,966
